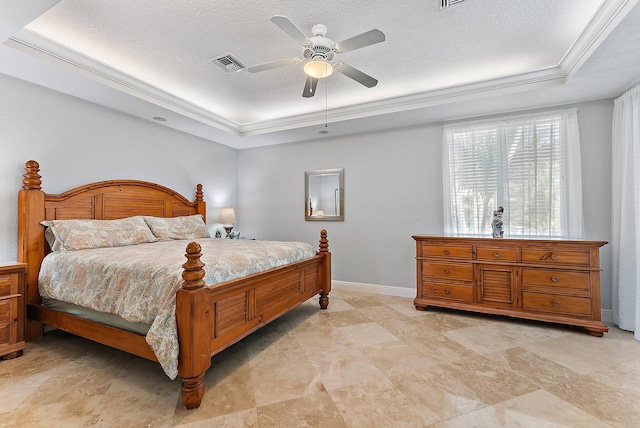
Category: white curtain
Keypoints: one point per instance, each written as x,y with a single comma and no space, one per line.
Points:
529,164
625,242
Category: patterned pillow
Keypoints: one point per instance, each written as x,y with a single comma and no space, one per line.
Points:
186,227
71,235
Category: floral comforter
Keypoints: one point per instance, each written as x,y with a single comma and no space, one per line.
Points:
139,282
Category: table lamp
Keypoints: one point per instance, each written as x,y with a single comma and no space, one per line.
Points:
227,219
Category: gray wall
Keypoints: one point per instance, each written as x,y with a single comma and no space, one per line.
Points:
77,142
596,120
393,189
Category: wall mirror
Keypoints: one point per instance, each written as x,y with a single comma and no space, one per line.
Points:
324,195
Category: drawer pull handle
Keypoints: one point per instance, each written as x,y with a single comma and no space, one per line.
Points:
555,303
446,270
447,291
446,252
496,254
555,278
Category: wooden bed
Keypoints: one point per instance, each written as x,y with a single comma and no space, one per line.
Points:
209,319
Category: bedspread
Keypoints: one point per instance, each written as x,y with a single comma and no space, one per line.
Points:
139,282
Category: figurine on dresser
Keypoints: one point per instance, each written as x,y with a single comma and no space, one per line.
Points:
497,224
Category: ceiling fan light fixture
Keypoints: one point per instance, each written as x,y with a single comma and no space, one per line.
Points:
318,69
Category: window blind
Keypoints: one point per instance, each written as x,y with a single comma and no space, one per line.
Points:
517,162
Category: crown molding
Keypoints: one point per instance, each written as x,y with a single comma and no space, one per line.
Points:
49,50
605,20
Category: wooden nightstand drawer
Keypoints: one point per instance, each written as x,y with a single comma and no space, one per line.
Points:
447,291
5,285
5,335
448,271
12,311
555,278
553,257
7,314
447,251
556,303
5,311
500,254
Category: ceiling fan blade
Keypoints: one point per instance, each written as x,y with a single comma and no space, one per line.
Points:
355,74
367,38
310,87
273,64
291,29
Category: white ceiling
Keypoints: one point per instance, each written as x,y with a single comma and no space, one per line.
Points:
150,58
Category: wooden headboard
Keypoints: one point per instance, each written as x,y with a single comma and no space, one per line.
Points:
104,200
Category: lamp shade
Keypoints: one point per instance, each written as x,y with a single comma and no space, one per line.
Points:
318,69
227,216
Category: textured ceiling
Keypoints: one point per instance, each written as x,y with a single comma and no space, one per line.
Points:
158,52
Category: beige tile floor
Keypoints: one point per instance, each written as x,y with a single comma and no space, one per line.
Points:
368,361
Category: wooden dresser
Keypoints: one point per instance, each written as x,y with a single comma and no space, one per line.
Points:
12,309
547,280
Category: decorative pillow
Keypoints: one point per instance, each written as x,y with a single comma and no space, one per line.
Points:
71,235
186,227
54,244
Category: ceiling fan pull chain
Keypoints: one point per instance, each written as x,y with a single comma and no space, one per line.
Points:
326,103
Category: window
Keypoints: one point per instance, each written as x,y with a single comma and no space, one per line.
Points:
528,164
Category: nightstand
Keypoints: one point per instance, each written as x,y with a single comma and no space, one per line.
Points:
12,309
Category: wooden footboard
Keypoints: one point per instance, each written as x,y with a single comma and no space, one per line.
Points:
211,319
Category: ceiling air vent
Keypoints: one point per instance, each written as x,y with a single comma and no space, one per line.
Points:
228,63
445,4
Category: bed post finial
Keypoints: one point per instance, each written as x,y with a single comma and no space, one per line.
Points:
31,180
201,205
324,242
193,272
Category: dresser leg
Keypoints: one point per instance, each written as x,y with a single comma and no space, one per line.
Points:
595,333
12,355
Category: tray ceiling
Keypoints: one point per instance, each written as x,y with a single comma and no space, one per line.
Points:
159,53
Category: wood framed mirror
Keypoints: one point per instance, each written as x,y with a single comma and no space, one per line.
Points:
324,195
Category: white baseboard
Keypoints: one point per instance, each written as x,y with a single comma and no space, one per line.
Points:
388,290
385,290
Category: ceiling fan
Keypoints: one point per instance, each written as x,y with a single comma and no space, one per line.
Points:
319,51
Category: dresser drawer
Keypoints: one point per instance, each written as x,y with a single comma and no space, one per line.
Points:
447,251
5,285
499,254
555,278
447,291
448,271
555,303
555,257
